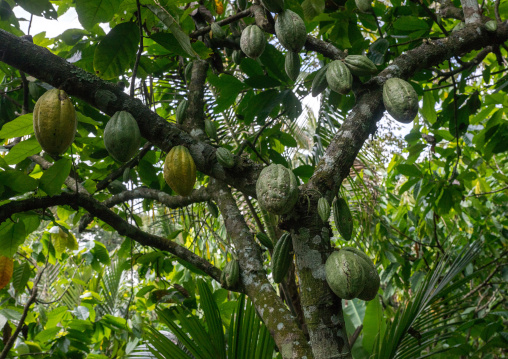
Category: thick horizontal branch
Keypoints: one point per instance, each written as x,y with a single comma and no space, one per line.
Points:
109,98
199,195
99,210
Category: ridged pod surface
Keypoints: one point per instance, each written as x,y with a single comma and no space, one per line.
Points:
230,274
364,5
210,129
292,65
319,84
253,41
225,157
273,5
54,120
372,280
237,56
180,170
281,258
122,137
400,100
212,208
360,65
339,77
323,209
217,32
491,25
181,111
345,274
343,219
264,240
277,189
290,30
6,269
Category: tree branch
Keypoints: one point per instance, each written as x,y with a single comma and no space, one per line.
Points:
114,220
472,14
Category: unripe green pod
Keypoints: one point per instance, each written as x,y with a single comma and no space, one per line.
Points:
264,240
122,136
253,41
230,274
360,65
237,56
277,189
364,5
324,209
217,32
181,111
292,65
290,30
372,280
345,274
211,130
225,157
212,208
281,258
339,77
459,26
400,100
491,25
188,72
343,219
273,5
319,84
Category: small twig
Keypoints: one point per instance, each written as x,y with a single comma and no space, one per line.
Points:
140,50
246,142
486,193
355,335
485,282
496,11
455,110
378,27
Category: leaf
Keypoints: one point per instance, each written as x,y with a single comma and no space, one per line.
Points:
17,181
39,8
312,8
21,126
54,177
12,235
20,276
23,150
168,20
372,324
409,170
169,42
428,109
100,253
6,268
410,23
117,51
228,88
92,12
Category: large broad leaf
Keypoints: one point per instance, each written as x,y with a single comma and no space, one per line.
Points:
22,150
91,12
39,8
117,51
21,126
168,20
17,181
53,178
12,235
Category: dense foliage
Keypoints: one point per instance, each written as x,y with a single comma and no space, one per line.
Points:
107,259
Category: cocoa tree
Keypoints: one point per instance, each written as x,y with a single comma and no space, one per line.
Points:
430,45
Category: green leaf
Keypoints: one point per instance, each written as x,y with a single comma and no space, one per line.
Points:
12,235
22,150
55,316
169,42
168,20
372,324
228,88
54,177
39,8
428,109
410,23
409,170
21,126
18,181
92,12
47,334
117,51
100,253
312,8
20,276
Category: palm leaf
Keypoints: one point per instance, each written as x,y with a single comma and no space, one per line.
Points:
422,315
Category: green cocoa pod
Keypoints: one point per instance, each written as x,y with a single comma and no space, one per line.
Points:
292,65
364,5
459,26
339,77
253,41
345,274
188,71
217,32
211,130
273,5
181,111
277,189
491,25
264,240
281,258
230,274
343,219
238,56
290,30
360,65
319,84
122,137
225,157
212,208
324,209
372,280
400,100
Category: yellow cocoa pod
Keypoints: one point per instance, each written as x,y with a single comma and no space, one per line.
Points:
180,170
